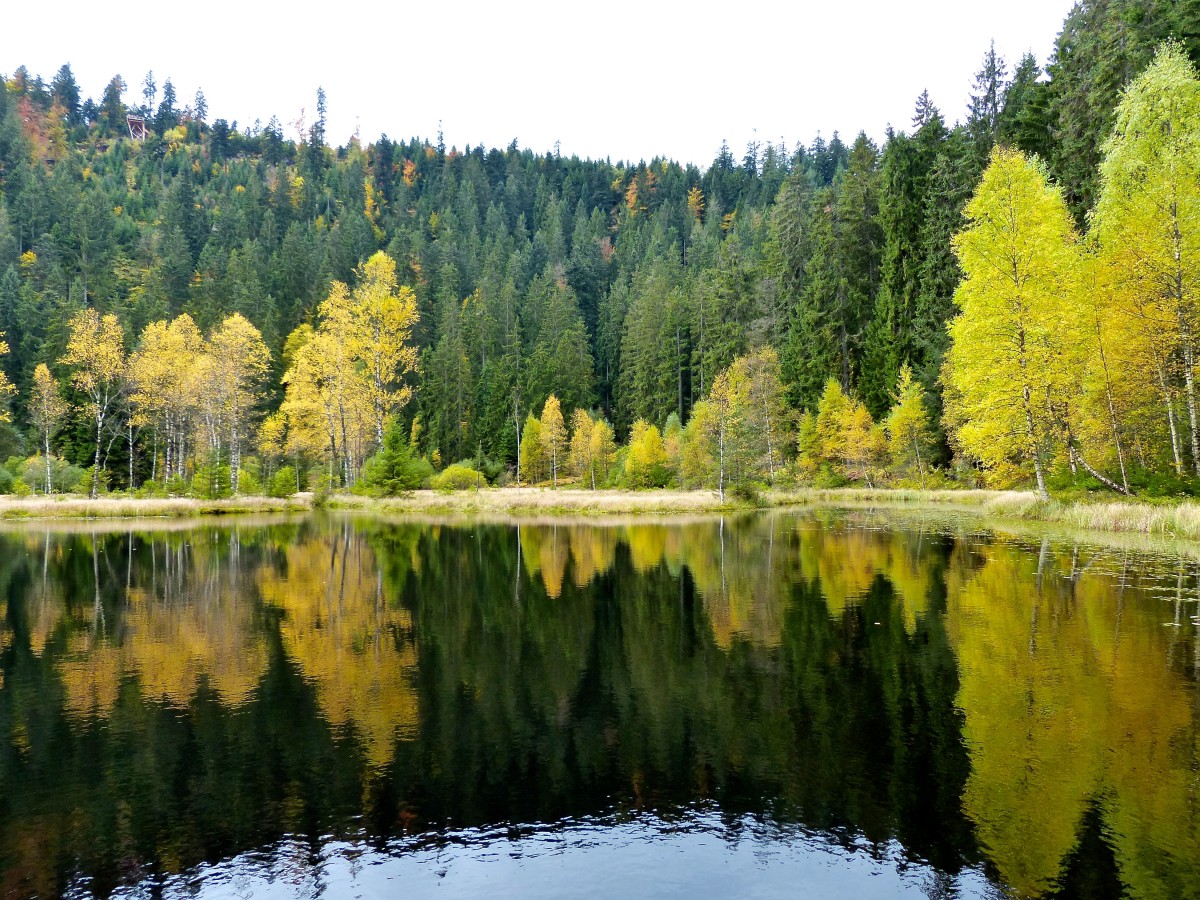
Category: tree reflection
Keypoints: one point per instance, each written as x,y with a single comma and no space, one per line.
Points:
170,697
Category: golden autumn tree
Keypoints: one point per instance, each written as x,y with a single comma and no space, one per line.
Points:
1146,223
646,459
163,373
1005,370
6,387
909,433
239,361
382,320
553,435
46,409
96,352
581,456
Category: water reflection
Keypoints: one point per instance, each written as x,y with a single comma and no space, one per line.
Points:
176,703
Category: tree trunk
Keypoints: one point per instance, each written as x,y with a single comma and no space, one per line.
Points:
1189,380
1166,395
96,461
1103,479
1112,409
1037,452
721,465
49,481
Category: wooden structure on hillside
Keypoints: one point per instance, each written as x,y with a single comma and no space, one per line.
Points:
137,127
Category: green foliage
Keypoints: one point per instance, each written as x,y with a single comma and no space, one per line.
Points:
85,483
283,483
458,477
624,290
212,481
395,469
151,488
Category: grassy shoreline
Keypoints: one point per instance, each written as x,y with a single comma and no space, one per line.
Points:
1176,520
78,507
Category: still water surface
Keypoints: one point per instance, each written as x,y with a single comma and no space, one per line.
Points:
824,705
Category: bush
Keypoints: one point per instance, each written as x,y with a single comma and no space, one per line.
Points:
248,483
458,477
394,469
151,488
64,477
283,483
6,481
20,488
84,485
748,492
323,491
176,486
212,482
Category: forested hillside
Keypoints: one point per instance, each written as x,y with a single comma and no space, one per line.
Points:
247,260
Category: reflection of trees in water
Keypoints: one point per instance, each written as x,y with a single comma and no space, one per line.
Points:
346,636
744,569
176,618
179,697
1071,697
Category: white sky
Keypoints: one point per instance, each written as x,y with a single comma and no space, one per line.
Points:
617,79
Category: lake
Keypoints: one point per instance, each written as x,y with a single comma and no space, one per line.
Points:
829,704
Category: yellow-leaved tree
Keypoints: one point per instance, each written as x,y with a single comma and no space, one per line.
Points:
1006,372
163,387
96,352
46,409
239,363
553,435
382,320
909,435
586,453
646,459
1146,223
6,387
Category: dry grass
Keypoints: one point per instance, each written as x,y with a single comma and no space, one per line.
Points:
1178,521
78,507
526,502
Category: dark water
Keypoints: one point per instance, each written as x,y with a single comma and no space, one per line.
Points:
825,706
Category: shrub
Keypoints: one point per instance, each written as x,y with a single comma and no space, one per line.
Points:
323,491
20,488
151,488
248,483
283,483
394,469
212,482
6,481
748,492
458,477
84,485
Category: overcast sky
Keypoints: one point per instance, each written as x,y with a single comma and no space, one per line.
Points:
623,80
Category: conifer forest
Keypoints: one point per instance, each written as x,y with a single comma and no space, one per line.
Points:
196,306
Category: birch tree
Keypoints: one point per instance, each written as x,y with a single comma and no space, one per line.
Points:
1147,219
46,409
1005,366
96,351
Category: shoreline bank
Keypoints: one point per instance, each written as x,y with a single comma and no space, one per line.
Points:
1178,520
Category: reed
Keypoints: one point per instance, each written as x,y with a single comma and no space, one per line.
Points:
75,507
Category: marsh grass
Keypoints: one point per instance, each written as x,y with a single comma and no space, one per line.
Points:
1172,520
1175,520
76,507
526,502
